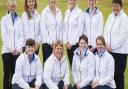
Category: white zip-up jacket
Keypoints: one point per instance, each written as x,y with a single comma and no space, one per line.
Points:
51,25
54,71
105,69
93,26
12,34
27,70
83,70
73,25
115,32
32,27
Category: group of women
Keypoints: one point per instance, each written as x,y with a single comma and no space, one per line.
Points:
92,65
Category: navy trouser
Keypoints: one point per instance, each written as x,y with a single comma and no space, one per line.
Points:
103,87
9,62
86,87
120,66
46,50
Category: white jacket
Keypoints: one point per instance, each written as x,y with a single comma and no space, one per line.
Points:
115,32
26,71
12,35
93,26
105,69
32,27
54,71
51,25
83,70
73,25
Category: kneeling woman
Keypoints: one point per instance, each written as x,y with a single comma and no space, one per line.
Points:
28,72
83,65
104,78
56,72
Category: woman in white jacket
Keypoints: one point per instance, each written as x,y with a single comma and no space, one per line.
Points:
51,27
73,27
115,34
93,24
31,23
83,65
56,72
28,72
104,76
12,39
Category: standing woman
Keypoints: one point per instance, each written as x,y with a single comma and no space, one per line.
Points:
56,72
12,39
93,24
31,23
83,65
104,76
51,27
73,28
116,35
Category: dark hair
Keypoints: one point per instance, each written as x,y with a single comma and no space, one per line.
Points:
30,42
26,8
101,38
84,37
117,2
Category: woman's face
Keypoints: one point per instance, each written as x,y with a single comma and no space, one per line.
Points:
72,3
11,7
116,8
31,4
91,3
100,46
82,45
30,50
52,3
58,51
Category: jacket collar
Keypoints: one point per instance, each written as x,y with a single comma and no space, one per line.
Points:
102,53
84,53
48,9
34,57
62,59
120,13
74,8
95,10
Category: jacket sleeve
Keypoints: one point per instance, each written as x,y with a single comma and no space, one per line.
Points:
100,24
66,77
65,30
4,33
39,74
80,27
110,73
21,38
39,32
60,27
43,24
48,68
17,77
74,70
91,68
122,35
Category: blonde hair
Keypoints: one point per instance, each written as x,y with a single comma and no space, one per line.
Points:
11,1
58,43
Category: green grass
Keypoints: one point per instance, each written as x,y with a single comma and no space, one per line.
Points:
104,5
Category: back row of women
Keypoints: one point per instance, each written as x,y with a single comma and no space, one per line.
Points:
49,27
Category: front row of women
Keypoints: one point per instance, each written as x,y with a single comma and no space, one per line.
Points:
88,71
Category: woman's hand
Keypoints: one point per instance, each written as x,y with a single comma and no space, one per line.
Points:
95,84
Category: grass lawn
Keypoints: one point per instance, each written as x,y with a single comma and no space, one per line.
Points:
104,5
